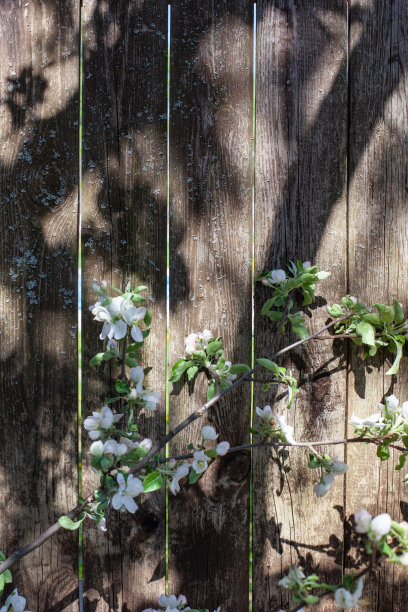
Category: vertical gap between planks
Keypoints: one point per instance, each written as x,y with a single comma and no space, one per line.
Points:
167,289
347,247
252,294
79,308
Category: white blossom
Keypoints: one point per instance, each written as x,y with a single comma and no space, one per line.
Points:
126,492
200,463
209,433
277,276
181,472
96,449
404,410
323,486
362,519
100,421
150,397
146,444
344,599
339,467
14,602
286,430
265,413
379,527
374,420
392,403
222,448
307,264
172,601
112,447
102,524
197,342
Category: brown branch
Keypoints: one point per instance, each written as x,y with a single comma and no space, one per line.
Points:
155,449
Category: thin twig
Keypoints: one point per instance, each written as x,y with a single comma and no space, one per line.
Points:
275,444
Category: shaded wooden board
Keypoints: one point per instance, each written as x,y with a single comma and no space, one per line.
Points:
124,238
38,321
210,285
378,221
300,213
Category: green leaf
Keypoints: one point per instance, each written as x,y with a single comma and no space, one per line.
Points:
193,476
212,391
148,318
274,315
367,333
398,312
268,364
132,363
313,462
335,311
298,326
383,452
179,368
152,482
122,386
239,368
405,441
267,306
140,288
145,333
66,523
213,347
137,299
106,463
373,318
386,313
110,400
310,599
394,368
401,462
191,372
100,357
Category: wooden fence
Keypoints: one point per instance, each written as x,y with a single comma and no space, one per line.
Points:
330,185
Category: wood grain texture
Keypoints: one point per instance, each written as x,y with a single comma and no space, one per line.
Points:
378,221
38,320
124,238
210,284
300,213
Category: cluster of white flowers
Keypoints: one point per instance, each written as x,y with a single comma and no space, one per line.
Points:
197,342
347,600
200,458
376,527
101,422
117,314
377,420
334,468
172,603
14,603
268,417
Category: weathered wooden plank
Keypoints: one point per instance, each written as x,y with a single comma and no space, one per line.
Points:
38,220
124,237
300,213
378,218
210,284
